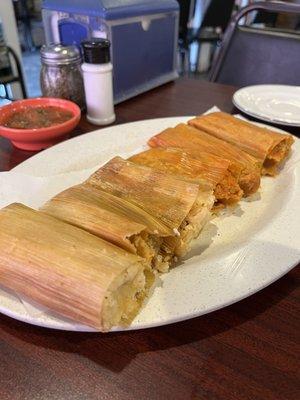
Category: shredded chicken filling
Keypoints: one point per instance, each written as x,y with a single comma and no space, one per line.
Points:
276,156
192,225
150,247
249,181
228,191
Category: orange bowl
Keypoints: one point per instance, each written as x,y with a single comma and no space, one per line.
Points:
38,138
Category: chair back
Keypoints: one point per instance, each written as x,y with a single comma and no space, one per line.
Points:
250,56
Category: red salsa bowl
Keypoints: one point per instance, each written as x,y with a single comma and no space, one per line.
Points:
35,124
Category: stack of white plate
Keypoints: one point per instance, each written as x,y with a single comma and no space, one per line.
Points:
277,104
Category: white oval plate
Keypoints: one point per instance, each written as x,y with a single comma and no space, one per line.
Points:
279,104
236,255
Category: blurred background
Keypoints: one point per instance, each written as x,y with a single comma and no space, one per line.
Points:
201,28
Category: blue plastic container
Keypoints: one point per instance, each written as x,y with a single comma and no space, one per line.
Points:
143,34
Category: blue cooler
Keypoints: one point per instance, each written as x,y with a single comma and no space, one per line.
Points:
143,34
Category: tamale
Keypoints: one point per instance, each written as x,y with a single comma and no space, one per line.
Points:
267,146
242,165
200,167
175,202
68,270
113,219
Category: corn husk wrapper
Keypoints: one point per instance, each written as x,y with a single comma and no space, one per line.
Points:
203,167
267,146
167,198
175,202
68,270
242,165
113,219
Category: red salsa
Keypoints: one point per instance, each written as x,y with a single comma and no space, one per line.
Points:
37,117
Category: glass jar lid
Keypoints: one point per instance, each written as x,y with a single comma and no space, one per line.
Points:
57,54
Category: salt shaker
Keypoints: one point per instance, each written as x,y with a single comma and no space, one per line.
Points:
97,79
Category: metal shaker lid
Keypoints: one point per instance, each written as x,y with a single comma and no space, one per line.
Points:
57,54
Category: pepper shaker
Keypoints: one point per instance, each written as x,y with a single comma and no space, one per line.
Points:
97,79
61,75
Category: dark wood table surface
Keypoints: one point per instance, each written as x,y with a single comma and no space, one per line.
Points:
249,350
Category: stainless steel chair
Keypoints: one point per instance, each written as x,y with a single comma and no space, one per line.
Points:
251,56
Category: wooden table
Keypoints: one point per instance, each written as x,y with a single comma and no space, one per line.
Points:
249,350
